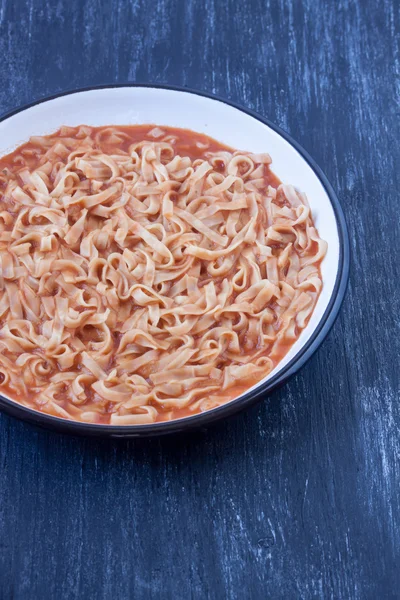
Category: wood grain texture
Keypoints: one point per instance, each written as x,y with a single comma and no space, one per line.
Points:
299,496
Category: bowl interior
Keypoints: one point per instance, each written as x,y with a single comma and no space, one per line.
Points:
227,124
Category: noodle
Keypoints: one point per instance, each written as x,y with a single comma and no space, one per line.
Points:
147,273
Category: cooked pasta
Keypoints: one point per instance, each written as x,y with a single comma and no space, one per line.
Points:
147,273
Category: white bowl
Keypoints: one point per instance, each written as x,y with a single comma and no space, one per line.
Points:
231,125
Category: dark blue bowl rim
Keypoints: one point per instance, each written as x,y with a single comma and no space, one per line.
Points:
129,431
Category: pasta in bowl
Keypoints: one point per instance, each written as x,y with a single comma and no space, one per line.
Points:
148,273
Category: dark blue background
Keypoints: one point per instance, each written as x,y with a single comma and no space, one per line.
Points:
299,496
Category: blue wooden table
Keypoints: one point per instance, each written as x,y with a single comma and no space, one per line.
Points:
299,496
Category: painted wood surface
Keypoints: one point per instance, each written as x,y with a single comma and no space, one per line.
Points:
299,496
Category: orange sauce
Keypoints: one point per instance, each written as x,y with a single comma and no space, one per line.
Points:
186,143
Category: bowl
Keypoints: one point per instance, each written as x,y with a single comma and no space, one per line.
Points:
235,126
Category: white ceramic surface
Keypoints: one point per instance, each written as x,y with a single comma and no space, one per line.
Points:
137,105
